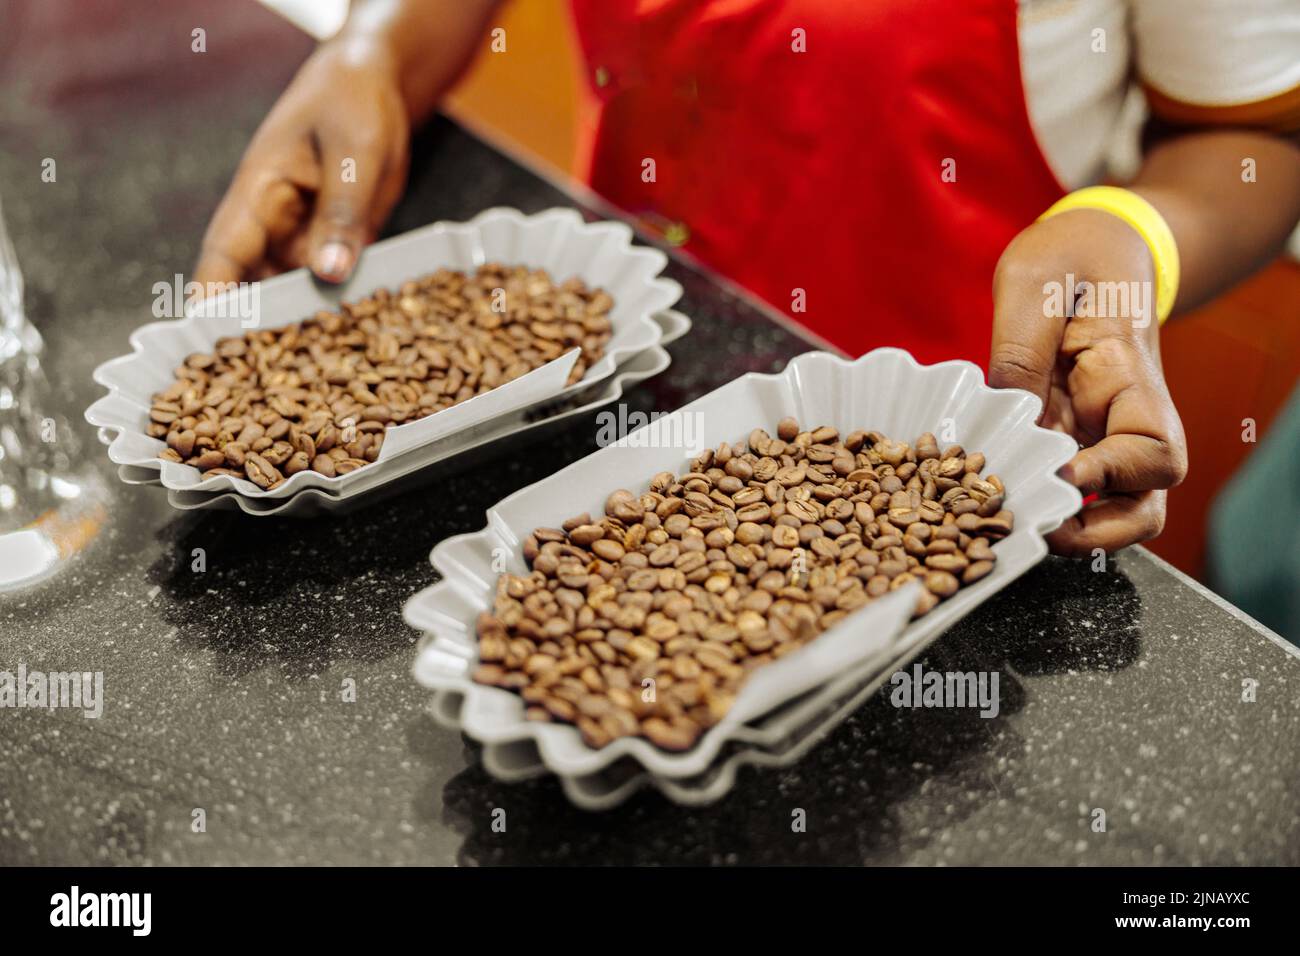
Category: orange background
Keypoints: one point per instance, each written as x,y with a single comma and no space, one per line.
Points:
1238,357
531,95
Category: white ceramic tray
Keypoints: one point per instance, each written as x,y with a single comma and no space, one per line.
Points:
558,240
525,424
779,739
672,326
795,728
884,390
775,739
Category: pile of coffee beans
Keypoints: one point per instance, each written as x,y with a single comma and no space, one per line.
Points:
319,394
645,620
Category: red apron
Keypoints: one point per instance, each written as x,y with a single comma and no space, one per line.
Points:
820,179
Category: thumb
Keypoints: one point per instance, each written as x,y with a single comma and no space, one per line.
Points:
1026,334
340,224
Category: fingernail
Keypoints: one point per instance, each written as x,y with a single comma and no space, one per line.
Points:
333,261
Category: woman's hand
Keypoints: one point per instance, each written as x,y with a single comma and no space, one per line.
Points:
321,175
1097,372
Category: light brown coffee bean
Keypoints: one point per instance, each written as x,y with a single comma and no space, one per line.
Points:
586,534
675,737
209,459
664,555
784,536
955,563
260,471
297,462
608,549
339,378
753,552
805,511
993,527
941,583
182,442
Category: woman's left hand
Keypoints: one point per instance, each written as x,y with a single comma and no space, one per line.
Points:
1097,373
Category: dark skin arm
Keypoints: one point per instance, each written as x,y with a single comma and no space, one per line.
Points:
1226,227
1100,378
293,201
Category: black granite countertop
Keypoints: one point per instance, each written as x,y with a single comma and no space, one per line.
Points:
1121,690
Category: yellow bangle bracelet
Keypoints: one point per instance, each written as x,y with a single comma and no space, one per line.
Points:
1148,222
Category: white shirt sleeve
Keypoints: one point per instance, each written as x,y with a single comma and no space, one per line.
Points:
1218,52
1076,63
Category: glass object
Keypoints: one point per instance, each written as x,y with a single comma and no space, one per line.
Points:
51,500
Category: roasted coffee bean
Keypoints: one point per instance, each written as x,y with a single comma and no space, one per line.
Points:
998,526
926,602
752,552
586,534
336,380
664,555
607,549
260,471
661,733
955,562
785,536
941,583
209,459
323,464
803,510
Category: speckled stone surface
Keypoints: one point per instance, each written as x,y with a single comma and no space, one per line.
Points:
1120,690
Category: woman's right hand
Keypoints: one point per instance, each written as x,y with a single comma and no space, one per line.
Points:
321,174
